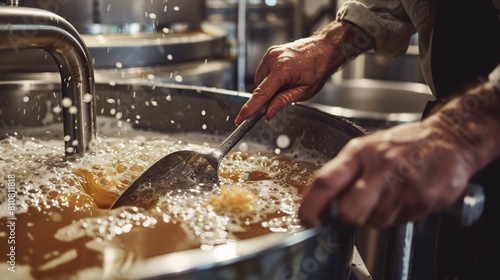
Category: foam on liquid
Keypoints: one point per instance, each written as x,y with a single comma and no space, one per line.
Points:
64,227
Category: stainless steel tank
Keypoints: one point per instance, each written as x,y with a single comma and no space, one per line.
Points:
152,40
267,23
318,253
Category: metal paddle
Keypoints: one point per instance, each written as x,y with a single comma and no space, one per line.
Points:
183,170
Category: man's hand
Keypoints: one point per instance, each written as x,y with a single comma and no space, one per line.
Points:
409,171
297,71
390,177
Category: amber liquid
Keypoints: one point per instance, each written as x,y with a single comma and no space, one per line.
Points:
62,225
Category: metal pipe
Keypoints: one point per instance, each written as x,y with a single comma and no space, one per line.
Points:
242,44
28,28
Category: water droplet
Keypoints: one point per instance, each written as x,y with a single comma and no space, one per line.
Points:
87,97
66,102
283,141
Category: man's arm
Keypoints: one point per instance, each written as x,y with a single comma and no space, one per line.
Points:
411,170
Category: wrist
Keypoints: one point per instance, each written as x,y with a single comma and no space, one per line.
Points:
344,40
471,122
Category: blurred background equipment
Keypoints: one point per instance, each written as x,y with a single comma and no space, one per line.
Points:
135,40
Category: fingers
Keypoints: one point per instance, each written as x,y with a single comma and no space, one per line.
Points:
357,204
329,181
264,91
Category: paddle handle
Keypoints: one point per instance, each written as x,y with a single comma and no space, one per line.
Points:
239,133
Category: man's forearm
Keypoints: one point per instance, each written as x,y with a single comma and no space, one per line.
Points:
474,118
345,40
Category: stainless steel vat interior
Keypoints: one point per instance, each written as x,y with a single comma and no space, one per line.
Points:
264,257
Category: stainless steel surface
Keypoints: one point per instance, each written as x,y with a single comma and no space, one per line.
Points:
469,209
359,269
26,28
373,104
171,44
13,2
265,25
120,51
320,253
370,65
399,252
186,170
127,16
241,35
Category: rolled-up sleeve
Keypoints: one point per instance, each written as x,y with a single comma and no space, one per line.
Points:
385,21
494,77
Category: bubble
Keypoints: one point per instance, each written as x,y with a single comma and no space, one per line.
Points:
73,110
243,147
118,65
170,57
283,141
124,159
26,99
178,78
66,102
87,97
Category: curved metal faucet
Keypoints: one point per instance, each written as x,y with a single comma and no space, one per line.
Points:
28,28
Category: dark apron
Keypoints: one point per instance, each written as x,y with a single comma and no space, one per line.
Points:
466,47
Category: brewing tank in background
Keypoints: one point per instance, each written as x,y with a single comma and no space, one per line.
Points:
267,23
156,40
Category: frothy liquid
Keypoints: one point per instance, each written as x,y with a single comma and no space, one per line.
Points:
63,225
